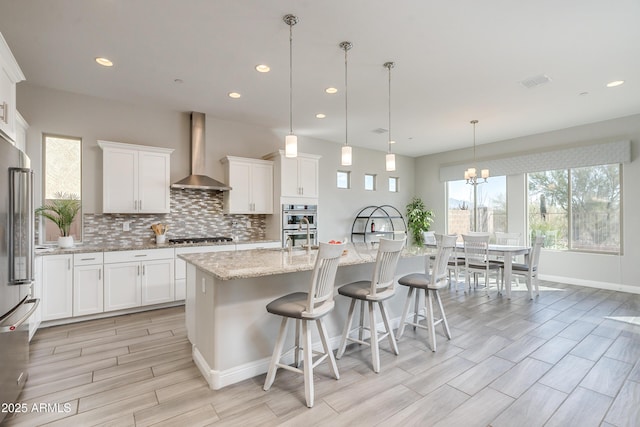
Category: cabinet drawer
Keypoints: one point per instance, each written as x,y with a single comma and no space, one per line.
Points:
88,258
141,255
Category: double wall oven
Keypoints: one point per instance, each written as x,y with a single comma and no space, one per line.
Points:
295,220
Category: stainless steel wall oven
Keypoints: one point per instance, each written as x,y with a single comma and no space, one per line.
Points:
294,224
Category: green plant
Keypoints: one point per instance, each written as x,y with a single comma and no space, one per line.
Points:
419,219
61,211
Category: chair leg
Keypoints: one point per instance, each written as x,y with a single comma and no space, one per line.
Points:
445,324
536,284
307,352
277,353
361,328
324,337
297,347
375,353
428,305
387,325
347,328
416,310
405,312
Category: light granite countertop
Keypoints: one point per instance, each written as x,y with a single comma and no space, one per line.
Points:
265,262
87,247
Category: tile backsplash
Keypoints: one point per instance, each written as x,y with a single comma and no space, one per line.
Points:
194,213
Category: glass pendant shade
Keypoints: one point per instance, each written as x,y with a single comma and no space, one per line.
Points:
346,155
391,162
291,146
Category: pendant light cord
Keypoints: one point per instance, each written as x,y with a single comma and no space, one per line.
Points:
346,98
291,79
389,66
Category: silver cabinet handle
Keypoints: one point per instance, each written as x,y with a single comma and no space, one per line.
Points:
135,205
87,259
144,271
69,264
140,204
138,268
140,255
99,274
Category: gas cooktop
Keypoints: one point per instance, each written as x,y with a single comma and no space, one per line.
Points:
215,239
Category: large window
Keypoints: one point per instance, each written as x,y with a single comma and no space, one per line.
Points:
577,209
485,203
62,179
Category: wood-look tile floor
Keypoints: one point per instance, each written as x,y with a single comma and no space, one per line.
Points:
568,358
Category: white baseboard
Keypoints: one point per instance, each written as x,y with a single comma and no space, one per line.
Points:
592,284
219,379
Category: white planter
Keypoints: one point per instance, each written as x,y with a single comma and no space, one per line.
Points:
65,242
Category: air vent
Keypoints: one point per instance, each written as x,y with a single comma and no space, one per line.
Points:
380,130
536,81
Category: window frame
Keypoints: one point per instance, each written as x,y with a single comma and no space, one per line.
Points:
374,181
396,179
348,174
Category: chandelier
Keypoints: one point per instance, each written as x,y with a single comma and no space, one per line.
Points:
470,175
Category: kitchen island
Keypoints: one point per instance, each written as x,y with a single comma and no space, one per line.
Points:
230,330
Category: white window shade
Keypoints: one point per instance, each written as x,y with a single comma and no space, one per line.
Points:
574,157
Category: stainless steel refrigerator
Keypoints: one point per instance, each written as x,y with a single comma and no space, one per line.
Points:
16,269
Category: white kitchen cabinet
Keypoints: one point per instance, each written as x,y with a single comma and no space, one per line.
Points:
135,178
36,292
251,182
298,176
57,287
135,278
88,283
10,74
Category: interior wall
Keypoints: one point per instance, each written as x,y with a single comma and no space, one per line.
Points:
597,270
58,112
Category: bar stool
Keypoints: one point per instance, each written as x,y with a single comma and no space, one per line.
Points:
306,307
431,283
377,290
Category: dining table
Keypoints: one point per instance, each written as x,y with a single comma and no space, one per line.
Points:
507,252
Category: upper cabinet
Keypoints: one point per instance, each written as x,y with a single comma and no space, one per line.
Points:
297,176
251,182
10,74
135,178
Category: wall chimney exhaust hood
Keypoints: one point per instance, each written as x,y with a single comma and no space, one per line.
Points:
198,180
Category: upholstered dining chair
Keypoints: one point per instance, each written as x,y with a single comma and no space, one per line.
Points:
377,290
430,282
305,308
476,260
530,270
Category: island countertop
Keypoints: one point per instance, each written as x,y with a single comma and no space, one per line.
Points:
266,262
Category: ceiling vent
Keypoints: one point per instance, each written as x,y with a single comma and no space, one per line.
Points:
380,131
535,81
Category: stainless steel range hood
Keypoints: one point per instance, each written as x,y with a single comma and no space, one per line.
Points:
198,180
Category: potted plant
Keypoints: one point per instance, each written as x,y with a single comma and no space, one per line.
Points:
419,220
62,211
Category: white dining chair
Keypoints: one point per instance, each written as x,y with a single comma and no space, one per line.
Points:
306,307
530,269
476,260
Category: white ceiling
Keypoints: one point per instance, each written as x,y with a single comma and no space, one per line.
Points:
455,61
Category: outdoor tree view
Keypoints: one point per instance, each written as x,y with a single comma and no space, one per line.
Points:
491,206
577,208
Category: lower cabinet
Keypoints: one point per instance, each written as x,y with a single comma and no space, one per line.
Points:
135,278
88,280
57,287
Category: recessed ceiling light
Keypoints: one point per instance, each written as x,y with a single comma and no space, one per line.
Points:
320,116
615,83
331,90
234,95
104,62
583,93
392,142
262,68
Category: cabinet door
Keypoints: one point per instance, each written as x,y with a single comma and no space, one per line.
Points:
289,177
238,200
120,185
157,281
308,176
88,291
262,188
7,105
153,182
57,287
122,283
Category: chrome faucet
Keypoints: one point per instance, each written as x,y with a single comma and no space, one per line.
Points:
305,220
289,244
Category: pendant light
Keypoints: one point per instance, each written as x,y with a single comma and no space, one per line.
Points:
346,157
291,140
470,175
390,163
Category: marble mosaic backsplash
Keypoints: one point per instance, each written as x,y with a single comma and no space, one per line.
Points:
194,213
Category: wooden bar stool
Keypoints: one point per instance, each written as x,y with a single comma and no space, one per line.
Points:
306,307
431,283
377,290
